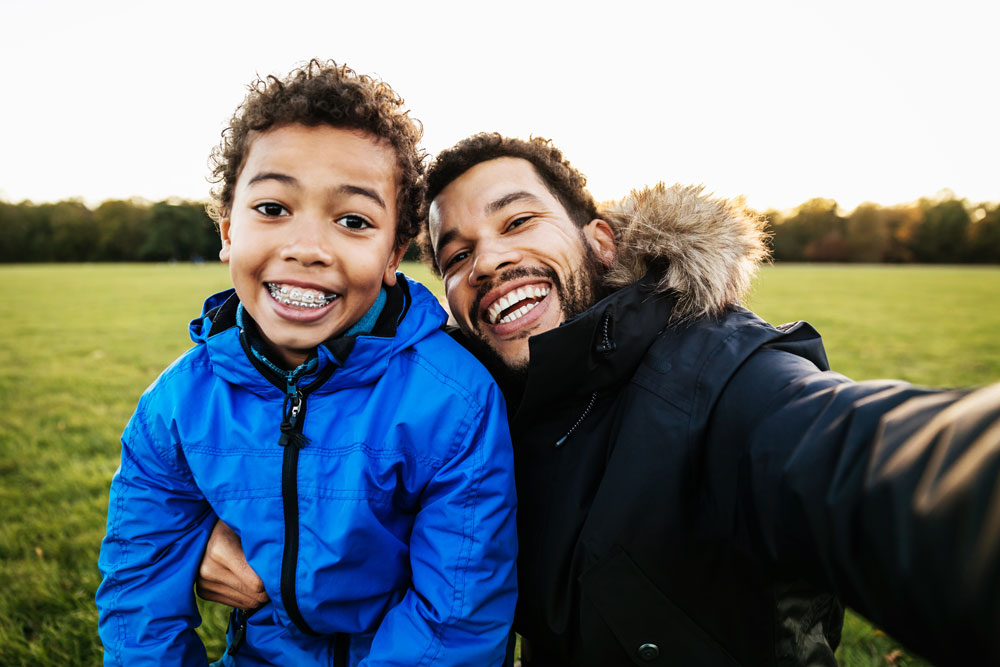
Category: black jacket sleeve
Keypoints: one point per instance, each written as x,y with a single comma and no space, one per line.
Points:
886,493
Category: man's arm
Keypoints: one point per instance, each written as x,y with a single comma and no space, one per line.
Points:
225,575
888,494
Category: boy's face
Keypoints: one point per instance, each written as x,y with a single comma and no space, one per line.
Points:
310,238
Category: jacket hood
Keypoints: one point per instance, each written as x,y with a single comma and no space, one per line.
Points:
705,250
415,315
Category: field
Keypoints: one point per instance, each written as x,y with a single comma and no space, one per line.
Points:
79,343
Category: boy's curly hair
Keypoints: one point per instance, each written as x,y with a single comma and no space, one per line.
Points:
324,93
565,183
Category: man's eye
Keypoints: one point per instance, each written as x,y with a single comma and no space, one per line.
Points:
519,221
353,222
454,260
271,209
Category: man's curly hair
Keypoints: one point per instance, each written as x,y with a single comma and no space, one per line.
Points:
565,183
324,93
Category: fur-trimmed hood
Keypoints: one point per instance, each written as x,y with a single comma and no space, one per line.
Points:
708,249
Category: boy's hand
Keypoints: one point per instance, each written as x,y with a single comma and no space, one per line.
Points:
225,576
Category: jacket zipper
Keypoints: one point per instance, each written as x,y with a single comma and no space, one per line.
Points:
605,346
239,621
293,414
292,440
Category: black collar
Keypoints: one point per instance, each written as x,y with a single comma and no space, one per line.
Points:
596,350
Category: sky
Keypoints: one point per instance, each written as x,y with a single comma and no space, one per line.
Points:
776,101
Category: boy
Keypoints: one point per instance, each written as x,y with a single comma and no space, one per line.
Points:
360,454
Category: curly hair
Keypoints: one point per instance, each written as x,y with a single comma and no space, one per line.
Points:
565,183
324,93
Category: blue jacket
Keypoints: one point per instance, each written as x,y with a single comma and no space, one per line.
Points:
373,495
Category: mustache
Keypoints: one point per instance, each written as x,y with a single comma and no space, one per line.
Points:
507,276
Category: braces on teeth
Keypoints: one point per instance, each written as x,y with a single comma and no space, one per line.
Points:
299,298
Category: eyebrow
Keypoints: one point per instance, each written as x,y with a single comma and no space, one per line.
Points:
506,200
273,176
364,192
343,189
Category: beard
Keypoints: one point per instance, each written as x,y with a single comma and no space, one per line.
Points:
580,291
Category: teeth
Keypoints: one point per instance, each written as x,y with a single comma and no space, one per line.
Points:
518,314
511,298
300,297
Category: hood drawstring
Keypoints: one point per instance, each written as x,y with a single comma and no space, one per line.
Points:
605,346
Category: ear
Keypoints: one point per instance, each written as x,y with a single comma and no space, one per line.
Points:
389,279
226,243
602,239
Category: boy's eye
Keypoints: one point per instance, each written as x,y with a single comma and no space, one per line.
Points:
271,210
353,222
519,221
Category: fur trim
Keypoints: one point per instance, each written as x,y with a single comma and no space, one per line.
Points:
709,249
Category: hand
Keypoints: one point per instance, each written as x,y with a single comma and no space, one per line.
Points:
225,576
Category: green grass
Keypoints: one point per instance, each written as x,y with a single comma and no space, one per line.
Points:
79,343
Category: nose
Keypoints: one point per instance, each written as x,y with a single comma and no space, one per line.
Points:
489,261
308,241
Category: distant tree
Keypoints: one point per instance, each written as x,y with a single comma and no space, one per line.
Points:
942,237
815,232
867,233
72,231
36,221
15,229
984,235
902,223
412,253
122,229
179,231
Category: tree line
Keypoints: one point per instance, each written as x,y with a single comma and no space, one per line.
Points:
940,230
934,231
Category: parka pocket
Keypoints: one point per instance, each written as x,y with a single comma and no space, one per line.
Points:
651,629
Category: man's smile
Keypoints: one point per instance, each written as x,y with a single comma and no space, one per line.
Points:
515,303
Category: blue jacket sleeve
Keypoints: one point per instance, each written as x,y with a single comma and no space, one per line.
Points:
158,524
463,550
887,493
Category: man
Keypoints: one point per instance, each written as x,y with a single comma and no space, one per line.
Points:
694,485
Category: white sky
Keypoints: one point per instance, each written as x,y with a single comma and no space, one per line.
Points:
780,101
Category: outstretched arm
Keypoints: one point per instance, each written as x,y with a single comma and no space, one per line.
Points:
888,493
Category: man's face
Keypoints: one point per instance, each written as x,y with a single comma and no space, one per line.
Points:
310,239
514,263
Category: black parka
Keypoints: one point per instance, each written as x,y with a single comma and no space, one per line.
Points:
696,493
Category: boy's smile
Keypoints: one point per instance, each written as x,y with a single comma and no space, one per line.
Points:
310,238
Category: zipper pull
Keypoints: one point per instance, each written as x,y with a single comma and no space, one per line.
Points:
290,419
606,344
240,621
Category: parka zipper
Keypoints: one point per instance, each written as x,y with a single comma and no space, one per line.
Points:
605,346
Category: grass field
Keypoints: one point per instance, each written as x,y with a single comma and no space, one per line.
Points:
79,343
